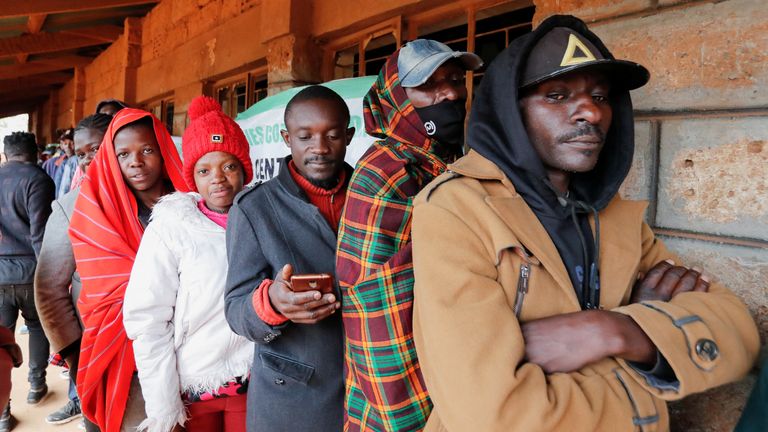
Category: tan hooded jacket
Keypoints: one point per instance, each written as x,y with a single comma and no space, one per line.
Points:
471,231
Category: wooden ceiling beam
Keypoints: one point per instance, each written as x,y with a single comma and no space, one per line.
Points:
23,97
58,41
35,22
34,25
103,33
28,7
66,60
32,68
32,81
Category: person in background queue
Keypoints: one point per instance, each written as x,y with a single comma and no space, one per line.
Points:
110,106
57,282
26,193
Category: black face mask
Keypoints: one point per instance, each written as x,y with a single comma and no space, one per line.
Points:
444,122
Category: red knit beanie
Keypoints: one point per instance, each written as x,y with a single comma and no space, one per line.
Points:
211,130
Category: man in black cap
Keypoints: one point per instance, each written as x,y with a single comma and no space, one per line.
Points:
542,300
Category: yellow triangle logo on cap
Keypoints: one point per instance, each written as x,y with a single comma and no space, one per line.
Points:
570,57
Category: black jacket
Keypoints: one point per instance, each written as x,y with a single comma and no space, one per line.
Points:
297,380
496,131
26,193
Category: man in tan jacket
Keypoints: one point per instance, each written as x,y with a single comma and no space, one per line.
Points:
543,302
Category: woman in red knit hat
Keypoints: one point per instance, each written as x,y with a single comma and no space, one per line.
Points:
193,369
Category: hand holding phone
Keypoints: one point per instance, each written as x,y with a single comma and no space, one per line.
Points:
302,305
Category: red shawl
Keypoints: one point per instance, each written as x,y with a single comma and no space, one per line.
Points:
105,233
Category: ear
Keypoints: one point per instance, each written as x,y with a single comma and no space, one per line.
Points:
286,137
350,135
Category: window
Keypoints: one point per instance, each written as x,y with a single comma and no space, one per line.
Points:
163,109
486,32
237,94
168,116
258,90
362,53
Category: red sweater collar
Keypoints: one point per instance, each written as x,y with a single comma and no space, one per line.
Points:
330,202
312,190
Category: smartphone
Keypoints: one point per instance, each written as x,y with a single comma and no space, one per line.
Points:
322,282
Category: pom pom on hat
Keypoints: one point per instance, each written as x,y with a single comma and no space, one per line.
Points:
211,130
201,106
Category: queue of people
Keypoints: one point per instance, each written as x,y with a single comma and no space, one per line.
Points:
506,288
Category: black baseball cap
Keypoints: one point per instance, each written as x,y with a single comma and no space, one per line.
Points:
563,50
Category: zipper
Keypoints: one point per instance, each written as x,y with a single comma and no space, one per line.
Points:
522,287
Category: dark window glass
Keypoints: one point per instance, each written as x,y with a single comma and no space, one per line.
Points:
489,45
259,91
222,95
494,33
241,94
347,63
168,117
448,36
377,52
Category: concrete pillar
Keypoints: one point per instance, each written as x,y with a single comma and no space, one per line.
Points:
292,61
131,60
78,100
52,115
292,55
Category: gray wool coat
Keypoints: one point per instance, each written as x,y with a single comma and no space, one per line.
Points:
55,273
297,380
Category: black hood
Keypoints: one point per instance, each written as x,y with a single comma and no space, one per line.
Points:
496,129
497,132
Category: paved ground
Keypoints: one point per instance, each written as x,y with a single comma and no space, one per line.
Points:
31,418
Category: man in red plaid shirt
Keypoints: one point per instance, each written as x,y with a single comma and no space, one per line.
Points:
416,108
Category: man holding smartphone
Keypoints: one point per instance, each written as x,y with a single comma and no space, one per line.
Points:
281,230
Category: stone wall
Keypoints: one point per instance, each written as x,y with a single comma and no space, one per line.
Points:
102,76
66,97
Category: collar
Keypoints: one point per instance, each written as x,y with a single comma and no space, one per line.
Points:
310,188
616,239
286,180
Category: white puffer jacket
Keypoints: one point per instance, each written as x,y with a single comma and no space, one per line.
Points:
174,311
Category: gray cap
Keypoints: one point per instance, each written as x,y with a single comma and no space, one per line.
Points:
419,59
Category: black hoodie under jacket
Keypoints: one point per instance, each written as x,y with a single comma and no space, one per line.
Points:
497,132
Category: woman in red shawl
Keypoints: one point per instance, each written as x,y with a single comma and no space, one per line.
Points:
137,164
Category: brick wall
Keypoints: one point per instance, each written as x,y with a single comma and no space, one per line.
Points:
184,46
701,155
66,97
102,76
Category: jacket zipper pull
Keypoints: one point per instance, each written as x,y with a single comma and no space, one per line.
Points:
522,287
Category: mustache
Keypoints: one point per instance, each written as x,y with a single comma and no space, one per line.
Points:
321,159
586,129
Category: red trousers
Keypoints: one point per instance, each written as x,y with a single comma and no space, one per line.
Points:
217,415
